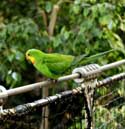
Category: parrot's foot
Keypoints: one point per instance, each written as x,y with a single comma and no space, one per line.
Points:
52,80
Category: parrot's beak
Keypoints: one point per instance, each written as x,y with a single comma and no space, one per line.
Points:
30,58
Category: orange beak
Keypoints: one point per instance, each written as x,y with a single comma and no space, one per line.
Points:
30,58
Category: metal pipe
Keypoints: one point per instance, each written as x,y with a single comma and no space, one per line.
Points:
110,80
30,87
107,67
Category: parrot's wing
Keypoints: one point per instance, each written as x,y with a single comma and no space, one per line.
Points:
58,63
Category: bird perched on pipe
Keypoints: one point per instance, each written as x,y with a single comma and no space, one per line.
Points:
53,65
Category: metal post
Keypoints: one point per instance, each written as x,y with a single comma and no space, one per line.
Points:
88,85
89,88
45,110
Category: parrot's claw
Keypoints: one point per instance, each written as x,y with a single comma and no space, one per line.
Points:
53,80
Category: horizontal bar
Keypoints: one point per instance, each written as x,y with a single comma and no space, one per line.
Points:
30,87
110,80
107,67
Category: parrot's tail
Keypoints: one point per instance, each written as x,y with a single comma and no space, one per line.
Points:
84,59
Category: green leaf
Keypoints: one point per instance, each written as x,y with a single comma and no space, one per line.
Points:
48,7
105,20
122,26
115,41
76,9
16,76
20,56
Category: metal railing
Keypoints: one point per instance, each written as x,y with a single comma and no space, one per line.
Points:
21,109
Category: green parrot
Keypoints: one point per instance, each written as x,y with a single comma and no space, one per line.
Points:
53,65
50,65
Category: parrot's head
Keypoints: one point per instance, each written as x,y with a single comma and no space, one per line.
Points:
33,55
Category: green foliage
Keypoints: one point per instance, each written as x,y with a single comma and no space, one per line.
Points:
113,118
93,30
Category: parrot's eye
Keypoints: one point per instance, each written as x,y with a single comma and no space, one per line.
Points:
28,54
